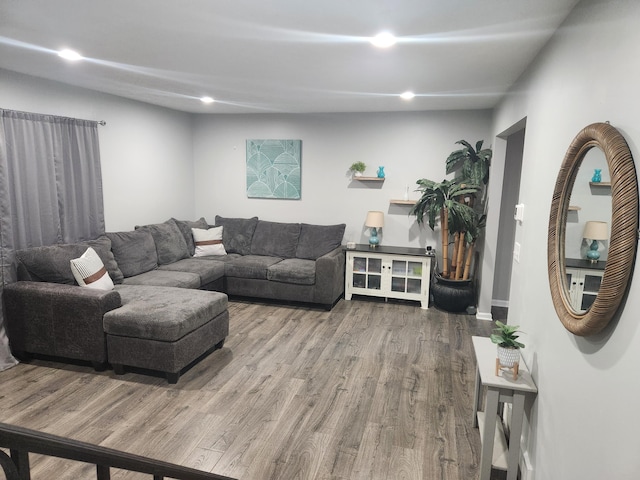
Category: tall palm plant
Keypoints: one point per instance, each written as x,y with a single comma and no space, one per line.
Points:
450,202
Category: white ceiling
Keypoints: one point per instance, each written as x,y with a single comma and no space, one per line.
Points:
282,55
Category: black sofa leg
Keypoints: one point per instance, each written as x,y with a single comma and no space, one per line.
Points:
118,369
99,366
220,344
173,377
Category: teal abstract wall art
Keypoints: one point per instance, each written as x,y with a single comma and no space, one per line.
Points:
273,169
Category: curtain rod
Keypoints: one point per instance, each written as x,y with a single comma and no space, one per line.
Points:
99,122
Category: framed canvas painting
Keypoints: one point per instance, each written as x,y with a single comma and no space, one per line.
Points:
273,169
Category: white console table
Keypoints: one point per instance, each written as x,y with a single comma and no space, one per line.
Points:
388,272
500,389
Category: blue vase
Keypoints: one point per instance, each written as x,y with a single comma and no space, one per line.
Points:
597,175
380,172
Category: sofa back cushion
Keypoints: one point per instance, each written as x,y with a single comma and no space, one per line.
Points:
185,227
237,233
170,243
317,240
52,263
275,239
134,251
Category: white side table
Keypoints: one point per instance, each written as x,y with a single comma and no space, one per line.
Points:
500,389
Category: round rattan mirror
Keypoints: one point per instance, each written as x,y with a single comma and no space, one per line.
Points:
624,229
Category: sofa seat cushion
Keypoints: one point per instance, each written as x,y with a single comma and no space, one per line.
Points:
207,271
165,278
293,270
229,257
162,313
250,266
275,239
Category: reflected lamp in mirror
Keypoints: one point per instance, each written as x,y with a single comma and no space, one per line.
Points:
375,220
595,231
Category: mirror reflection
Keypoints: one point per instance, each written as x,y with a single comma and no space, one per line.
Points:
587,231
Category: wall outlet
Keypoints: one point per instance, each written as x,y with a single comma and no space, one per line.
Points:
516,252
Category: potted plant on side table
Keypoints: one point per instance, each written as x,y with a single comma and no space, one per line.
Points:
506,338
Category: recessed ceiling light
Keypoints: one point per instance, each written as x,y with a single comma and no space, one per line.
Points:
383,40
207,100
407,95
69,55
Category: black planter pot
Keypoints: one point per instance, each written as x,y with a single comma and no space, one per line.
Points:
452,295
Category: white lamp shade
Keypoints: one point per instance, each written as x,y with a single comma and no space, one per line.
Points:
596,231
374,219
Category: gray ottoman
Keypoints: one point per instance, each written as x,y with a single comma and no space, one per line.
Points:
164,328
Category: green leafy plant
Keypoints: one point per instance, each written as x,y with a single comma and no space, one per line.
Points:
505,335
459,205
448,201
358,167
474,163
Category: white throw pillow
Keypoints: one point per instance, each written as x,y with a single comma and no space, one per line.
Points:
208,242
89,271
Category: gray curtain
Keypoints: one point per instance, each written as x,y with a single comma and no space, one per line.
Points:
50,189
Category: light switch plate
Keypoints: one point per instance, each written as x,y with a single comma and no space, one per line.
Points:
516,252
519,213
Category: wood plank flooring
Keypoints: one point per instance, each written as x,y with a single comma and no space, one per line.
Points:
370,390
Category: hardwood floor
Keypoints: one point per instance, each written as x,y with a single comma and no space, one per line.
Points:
370,390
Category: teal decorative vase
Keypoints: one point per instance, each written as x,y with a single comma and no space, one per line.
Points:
597,175
374,240
593,254
380,172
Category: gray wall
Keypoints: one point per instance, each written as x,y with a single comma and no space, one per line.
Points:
146,151
585,423
409,145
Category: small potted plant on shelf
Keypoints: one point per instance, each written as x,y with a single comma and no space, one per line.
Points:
358,168
506,338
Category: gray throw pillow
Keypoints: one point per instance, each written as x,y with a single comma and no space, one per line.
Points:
52,263
237,233
185,227
134,251
275,239
317,240
170,244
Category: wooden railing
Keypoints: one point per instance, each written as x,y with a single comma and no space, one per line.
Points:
22,441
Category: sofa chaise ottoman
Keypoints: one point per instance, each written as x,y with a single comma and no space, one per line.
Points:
164,328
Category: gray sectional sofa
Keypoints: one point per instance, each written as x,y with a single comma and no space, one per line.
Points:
168,307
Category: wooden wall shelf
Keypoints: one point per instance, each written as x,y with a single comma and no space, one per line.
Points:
368,179
600,184
402,202
574,208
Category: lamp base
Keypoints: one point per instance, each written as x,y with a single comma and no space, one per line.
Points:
374,240
593,254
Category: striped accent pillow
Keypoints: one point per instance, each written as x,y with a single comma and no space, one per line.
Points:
89,271
208,242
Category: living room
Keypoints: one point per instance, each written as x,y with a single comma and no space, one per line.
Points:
159,163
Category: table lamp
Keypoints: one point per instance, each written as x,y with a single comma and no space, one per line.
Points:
375,220
595,231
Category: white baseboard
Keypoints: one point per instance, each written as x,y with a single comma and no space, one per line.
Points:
484,316
500,303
